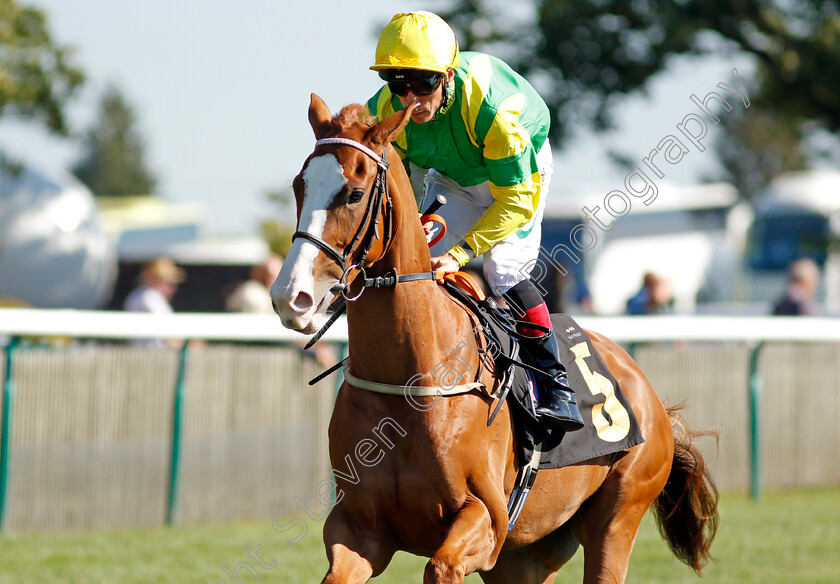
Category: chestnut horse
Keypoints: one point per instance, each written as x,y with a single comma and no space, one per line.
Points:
438,480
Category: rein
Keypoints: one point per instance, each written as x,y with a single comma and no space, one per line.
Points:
368,228
389,280
379,191
367,231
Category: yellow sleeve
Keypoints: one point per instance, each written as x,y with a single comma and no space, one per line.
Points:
511,210
510,158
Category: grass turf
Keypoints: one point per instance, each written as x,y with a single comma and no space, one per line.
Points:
785,538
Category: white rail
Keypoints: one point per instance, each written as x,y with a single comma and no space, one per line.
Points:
248,327
138,325
747,329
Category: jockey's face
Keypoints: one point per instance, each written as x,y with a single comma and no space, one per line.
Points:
427,105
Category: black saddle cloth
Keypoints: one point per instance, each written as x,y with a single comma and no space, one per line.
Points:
609,422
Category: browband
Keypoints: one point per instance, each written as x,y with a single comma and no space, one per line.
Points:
357,145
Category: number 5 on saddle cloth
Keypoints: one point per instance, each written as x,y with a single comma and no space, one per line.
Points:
610,425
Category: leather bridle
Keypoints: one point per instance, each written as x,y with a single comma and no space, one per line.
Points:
366,232
368,228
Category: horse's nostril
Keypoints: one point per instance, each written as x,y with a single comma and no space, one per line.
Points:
302,302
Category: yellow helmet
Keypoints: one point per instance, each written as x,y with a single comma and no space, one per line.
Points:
417,40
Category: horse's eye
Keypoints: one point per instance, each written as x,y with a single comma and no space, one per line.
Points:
356,195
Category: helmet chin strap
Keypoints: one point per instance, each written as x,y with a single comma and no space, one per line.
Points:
448,95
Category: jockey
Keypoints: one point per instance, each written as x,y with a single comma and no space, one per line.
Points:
479,134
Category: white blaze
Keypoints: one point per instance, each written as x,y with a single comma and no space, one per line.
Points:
324,179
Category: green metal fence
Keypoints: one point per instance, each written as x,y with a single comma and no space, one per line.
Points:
109,436
105,434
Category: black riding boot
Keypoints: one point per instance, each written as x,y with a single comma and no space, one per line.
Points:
557,406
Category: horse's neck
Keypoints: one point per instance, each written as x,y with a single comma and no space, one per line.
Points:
397,333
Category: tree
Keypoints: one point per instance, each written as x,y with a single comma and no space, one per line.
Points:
278,232
113,161
37,76
588,52
757,146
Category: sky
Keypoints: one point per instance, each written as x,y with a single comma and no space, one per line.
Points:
221,92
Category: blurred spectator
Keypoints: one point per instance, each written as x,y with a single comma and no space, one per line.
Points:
655,297
583,298
253,295
159,280
798,300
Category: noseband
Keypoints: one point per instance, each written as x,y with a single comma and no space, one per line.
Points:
368,228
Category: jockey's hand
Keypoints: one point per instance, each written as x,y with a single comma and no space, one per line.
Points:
427,228
445,263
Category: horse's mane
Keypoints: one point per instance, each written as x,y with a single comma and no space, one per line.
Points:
353,113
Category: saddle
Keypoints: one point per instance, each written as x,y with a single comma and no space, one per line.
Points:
610,426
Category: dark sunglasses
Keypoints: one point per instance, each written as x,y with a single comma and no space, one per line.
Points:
425,86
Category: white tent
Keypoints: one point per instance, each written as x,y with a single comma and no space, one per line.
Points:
53,252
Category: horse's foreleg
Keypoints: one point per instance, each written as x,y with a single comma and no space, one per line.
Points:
353,555
472,543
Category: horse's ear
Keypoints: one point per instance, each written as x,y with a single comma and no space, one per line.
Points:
319,116
388,129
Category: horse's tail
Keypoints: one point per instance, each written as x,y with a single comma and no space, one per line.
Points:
686,510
